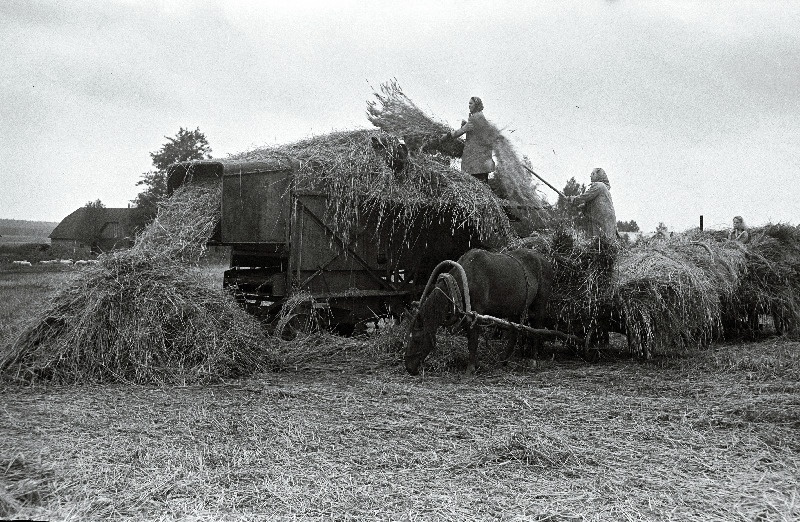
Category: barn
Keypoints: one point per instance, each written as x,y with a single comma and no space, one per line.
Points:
99,229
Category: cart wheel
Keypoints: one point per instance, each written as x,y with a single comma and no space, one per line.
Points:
296,325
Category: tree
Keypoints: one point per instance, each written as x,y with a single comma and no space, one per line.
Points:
156,183
661,230
568,212
628,226
94,204
185,146
92,222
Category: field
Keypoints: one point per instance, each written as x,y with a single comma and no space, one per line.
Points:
348,435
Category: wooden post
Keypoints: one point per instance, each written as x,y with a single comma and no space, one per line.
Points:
701,222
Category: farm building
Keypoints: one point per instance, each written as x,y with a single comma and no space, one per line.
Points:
99,229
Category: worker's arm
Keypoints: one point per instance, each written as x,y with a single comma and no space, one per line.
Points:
744,237
589,194
466,126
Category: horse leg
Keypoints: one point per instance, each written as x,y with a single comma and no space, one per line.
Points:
513,336
777,321
537,318
588,344
473,336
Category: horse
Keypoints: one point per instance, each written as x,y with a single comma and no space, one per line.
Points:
513,285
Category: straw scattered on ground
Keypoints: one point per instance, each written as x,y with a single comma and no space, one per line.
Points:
684,440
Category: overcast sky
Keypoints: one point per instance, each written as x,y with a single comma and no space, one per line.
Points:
691,107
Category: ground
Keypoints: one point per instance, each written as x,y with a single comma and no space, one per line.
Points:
711,435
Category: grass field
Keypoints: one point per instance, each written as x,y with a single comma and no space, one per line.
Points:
350,436
24,240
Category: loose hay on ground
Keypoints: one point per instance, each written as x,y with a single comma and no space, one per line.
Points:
612,441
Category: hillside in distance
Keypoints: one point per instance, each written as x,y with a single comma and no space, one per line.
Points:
19,227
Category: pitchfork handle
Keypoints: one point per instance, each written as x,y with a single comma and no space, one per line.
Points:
545,182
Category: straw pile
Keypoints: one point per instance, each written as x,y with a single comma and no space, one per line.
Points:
670,296
583,269
771,284
396,114
670,293
144,315
686,291
358,181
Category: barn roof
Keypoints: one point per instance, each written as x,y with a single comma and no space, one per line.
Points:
81,223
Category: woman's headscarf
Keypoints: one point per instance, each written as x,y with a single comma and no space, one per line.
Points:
599,174
478,104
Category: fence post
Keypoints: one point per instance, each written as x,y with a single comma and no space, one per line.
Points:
701,222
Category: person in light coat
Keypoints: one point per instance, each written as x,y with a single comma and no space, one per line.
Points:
479,142
598,206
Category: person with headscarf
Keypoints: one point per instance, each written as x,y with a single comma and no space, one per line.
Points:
480,135
598,206
739,232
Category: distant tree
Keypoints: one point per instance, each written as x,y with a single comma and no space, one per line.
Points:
92,222
155,191
94,204
185,146
568,212
661,230
628,226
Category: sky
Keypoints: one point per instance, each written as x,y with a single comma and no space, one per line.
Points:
692,108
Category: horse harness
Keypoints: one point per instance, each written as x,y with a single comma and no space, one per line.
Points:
457,297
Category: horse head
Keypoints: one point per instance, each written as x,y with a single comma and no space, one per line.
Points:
422,339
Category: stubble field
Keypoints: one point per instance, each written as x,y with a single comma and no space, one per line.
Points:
714,435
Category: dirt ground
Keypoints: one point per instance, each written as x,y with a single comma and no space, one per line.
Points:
714,435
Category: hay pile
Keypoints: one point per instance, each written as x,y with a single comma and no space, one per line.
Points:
771,284
358,181
583,268
396,114
144,315
695,287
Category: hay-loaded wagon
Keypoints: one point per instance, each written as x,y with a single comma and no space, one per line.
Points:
286,243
